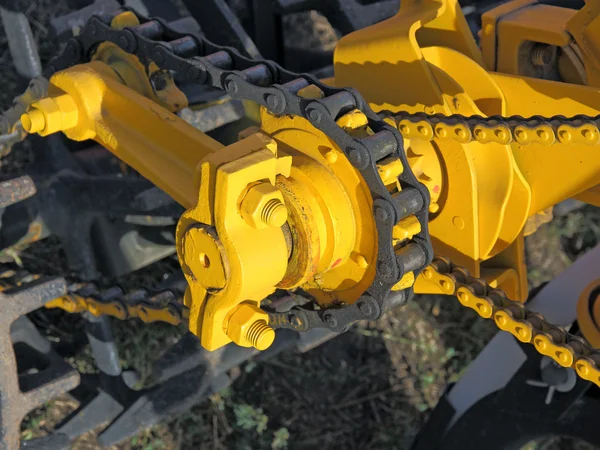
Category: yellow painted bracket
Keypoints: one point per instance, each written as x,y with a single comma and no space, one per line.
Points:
233,261
483,190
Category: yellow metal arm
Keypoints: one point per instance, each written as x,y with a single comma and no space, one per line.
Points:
91,102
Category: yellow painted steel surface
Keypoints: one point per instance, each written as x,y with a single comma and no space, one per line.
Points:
282,208
135,128
425,60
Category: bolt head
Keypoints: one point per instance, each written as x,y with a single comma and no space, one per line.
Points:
315,115
358,158
157,55
232,86
273,103
202,258
247,327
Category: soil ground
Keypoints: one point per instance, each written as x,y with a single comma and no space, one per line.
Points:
370,388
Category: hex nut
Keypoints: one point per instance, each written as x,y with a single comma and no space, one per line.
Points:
263,206
248,327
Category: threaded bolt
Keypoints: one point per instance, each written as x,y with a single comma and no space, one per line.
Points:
541,54
260,335
33,121
274,213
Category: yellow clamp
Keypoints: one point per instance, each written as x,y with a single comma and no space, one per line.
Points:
586,368
585,134
481,305
520,329
560,353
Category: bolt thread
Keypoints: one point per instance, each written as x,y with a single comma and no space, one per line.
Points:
260,335
274,213
541,55
33,120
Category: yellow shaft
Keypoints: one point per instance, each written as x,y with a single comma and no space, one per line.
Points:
90,102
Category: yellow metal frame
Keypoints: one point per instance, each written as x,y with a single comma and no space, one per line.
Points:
425,60
232,243
283,208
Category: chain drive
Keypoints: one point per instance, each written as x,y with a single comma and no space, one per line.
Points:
509,315
268,84
540,130
275,88
162,305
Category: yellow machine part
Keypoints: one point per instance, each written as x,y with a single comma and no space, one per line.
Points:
588,313
425,60
280,208
283,208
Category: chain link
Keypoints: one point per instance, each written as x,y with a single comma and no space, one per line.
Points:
497,129
163,305
280,92
512,316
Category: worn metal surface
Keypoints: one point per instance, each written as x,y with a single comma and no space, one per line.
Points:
16,190
63,27
10,120
19,394
212,117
